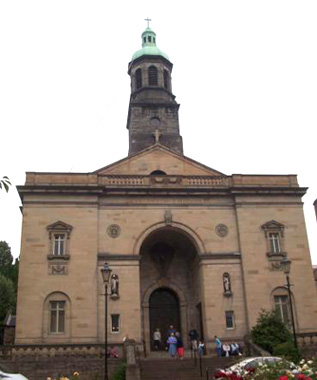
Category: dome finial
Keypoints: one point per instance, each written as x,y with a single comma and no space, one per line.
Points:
148,21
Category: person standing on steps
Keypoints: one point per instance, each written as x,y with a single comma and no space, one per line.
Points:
218,345
172,345
157,337
193,337
180,346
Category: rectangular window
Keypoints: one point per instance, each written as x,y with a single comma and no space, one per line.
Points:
275,242
57,320
115,323
282,307
59,245
229,320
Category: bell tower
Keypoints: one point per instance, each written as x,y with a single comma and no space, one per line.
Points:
153,111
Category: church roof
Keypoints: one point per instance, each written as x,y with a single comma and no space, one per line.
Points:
158,157
149,45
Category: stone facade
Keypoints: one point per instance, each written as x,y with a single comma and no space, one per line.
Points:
163,222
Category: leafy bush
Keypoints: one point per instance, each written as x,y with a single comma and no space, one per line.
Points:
270,331
288,351
120,373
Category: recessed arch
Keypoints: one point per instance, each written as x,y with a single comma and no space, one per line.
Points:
179,227
169,260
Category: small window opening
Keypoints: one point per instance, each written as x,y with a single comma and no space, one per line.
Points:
144,39
166,79
158,172
138,78
152,76
115,323
229,320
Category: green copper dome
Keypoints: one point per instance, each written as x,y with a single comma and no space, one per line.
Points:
149,45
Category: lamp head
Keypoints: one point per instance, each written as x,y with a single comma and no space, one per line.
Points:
286,265
106,271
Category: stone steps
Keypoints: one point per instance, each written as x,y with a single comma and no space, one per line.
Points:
175,369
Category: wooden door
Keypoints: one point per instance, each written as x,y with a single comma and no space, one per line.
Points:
164,311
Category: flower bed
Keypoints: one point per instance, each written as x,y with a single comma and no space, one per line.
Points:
306,370
74,376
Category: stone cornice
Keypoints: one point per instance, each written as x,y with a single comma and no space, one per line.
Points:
171,185
219,256
117,257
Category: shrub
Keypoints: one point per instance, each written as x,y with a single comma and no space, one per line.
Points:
120,373
270,331
288,351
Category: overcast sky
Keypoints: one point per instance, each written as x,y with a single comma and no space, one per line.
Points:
244,73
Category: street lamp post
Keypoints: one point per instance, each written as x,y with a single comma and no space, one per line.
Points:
106,271
286,265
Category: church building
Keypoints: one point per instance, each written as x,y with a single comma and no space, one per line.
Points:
187,245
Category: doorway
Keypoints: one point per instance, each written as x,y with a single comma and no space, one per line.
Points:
164,311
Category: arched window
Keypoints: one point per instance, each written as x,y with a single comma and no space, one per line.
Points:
152,76
281,303
138,76
57,315
166,79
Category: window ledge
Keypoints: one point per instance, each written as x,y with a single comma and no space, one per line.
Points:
276,255
60,257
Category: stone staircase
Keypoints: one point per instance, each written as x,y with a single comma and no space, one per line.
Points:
158,368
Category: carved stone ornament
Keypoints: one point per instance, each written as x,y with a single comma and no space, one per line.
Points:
114,230
168,217
222,230
276,265
58,269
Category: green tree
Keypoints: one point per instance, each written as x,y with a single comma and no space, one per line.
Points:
7,300
270,331
6,257
8,269
5,183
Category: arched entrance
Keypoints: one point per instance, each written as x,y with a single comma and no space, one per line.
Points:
169,283
164,311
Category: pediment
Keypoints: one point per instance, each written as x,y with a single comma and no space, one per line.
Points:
273,226
59,226
158,158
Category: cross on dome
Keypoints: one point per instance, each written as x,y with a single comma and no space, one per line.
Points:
148,21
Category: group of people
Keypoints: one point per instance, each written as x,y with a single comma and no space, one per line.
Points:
227,349
175,347
174,343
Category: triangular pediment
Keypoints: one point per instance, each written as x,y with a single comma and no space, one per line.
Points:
59,226
273,224
158,158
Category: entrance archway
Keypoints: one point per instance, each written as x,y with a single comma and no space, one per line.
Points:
164,311
169,279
